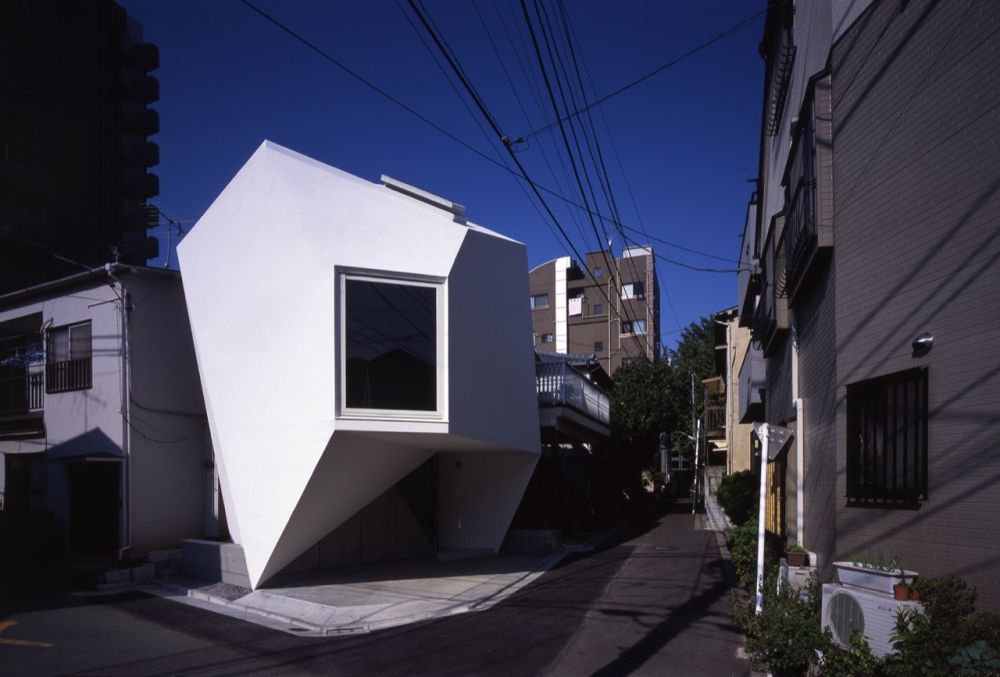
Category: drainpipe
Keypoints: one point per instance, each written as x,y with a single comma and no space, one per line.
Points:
799,442
126,490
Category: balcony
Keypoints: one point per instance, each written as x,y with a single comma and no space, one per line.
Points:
21,402
808,199
748,279
753,380
715,421
560,385
771,314
61,377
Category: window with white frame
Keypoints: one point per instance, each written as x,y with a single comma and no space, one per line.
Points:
68,358
392,346
633,290
634,326
548,338
539,301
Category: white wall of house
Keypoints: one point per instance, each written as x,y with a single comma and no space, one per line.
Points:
262,278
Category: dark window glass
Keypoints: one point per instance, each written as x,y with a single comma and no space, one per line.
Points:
598,346
887,439
539,301
598,309
391,346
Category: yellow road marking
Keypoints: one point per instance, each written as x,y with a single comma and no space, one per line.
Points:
20,642
25,642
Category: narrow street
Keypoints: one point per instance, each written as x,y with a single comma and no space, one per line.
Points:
650,602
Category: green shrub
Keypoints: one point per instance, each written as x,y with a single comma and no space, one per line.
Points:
857,660
743,552
948,637
783,637
739,494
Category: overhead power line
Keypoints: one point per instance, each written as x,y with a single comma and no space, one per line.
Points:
656,71
537,188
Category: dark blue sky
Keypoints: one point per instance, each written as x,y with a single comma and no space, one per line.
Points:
687,138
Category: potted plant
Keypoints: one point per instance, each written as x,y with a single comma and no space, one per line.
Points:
796,555
878,573
914,590
901,590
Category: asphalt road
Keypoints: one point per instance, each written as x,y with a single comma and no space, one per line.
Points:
650,602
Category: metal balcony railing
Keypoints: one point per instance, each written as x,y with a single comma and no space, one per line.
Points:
21,394
558,384
61,377
715,421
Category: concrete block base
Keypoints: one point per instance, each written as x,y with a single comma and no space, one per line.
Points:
214,561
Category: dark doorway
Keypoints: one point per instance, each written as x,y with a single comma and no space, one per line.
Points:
27,531
419,491
94,501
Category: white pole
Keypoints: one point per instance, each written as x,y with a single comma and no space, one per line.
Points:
763,434
697,439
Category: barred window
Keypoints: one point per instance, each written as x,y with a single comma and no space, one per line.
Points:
887,439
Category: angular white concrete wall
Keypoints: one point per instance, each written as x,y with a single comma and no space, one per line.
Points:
261,279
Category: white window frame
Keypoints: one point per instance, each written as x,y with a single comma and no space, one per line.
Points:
441,365
631,326
539,307
628,290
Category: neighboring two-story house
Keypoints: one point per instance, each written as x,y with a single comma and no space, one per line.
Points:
104,450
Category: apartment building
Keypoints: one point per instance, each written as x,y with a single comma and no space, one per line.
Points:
608,307
871,256
75,152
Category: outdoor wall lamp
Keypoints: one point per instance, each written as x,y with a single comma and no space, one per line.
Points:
922,344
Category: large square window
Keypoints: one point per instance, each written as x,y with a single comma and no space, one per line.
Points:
392,346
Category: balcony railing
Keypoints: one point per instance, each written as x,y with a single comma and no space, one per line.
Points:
21,394
61,377
753,380
558,384
715,421
748,279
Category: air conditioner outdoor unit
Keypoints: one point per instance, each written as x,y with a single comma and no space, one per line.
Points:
846,607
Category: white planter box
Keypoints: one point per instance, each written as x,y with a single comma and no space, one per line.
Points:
870,579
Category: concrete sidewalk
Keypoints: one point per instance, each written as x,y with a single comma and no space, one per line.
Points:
371,599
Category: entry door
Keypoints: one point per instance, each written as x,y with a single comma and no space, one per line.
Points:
94,502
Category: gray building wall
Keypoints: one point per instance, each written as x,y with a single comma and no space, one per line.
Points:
916,116
814,319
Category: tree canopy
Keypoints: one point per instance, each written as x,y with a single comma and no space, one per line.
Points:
649,399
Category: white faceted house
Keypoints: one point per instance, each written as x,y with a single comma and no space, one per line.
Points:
348,334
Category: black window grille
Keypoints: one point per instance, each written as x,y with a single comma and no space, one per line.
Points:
887,439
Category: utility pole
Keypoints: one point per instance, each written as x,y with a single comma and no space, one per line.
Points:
697,435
